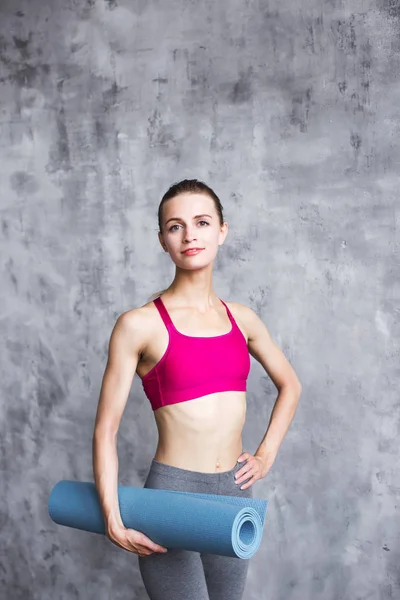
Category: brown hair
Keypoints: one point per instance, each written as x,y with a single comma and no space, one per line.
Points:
187,186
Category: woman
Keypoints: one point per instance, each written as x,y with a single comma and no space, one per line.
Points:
191,350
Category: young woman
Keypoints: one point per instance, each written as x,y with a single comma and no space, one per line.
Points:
191,350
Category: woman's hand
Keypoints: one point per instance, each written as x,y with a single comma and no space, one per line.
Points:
256,468
133,541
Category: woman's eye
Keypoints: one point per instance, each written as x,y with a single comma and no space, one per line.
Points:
176,225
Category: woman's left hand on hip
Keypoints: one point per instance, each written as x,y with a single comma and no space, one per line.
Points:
255,468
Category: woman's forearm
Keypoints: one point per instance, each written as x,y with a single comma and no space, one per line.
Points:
105,470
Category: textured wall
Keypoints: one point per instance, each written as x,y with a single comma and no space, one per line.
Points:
290,110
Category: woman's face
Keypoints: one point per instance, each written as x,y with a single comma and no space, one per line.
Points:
191,221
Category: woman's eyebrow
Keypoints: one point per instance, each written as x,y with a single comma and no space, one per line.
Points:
178,219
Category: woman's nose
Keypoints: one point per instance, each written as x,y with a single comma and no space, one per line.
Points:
189,236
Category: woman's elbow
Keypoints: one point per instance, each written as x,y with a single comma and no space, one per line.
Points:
105,431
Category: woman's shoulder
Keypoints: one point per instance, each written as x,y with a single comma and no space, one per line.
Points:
239,309
245,316
138,325
139,315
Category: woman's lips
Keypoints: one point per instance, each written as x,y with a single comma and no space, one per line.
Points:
194,251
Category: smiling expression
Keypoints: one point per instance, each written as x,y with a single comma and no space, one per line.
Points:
191,221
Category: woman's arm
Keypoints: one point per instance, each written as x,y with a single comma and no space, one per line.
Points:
126,344
263,348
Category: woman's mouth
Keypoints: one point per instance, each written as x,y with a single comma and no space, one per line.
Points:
193,251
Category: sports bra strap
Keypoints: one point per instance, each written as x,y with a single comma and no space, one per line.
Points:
232,320
163,311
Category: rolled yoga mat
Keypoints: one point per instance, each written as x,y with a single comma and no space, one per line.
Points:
225,525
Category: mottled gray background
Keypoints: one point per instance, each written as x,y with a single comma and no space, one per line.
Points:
290,110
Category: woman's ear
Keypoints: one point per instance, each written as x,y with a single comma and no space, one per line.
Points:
161,240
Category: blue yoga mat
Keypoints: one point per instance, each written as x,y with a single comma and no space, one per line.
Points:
212,523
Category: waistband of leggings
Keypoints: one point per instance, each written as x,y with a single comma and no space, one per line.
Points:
188,475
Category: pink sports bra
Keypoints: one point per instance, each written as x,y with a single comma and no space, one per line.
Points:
196,366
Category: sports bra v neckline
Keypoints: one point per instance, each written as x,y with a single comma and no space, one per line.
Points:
168,321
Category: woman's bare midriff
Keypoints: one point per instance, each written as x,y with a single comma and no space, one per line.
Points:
203,434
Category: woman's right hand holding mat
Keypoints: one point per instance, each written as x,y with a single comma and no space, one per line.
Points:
133,541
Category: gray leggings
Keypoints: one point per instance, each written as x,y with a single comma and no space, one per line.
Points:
183,574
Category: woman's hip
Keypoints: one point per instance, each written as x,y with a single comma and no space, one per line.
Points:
168,477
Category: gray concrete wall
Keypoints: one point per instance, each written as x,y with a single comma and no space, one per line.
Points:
290,110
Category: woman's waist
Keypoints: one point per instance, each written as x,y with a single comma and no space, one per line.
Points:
202,436
203,457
